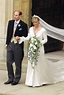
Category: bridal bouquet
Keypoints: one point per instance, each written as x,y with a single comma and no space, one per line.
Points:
33,53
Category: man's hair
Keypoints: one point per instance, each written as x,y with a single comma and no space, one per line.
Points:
20,13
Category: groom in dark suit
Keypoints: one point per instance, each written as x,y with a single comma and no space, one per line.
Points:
15,51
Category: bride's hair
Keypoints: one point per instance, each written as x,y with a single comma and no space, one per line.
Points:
35,18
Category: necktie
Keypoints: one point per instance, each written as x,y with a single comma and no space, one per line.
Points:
15,24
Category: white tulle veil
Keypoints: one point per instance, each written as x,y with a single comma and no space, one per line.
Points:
52,31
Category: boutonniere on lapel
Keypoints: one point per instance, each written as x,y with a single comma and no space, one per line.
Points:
19,27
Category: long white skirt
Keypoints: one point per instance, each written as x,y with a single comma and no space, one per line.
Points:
45,72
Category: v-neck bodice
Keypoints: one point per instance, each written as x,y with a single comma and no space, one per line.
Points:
37,33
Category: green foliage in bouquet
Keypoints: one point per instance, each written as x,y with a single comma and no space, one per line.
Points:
34,49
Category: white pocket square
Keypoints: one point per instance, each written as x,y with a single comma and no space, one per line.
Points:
20,28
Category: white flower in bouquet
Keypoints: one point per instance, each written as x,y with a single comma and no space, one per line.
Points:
33,53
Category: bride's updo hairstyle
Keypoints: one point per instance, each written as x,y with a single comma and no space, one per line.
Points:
35,18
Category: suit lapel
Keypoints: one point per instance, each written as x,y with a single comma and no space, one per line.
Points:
12,27
18,26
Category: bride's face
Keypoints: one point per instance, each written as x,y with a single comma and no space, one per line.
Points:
35,22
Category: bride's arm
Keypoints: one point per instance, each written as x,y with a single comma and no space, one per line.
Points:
24,38
44,40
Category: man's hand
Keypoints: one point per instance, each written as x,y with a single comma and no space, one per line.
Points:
21,39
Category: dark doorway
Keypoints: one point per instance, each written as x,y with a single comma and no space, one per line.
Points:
51,11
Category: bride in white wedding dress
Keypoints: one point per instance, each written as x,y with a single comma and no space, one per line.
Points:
45,71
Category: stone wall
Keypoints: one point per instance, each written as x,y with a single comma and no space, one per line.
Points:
25,7
5,14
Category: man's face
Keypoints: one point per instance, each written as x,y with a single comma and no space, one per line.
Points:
16,16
